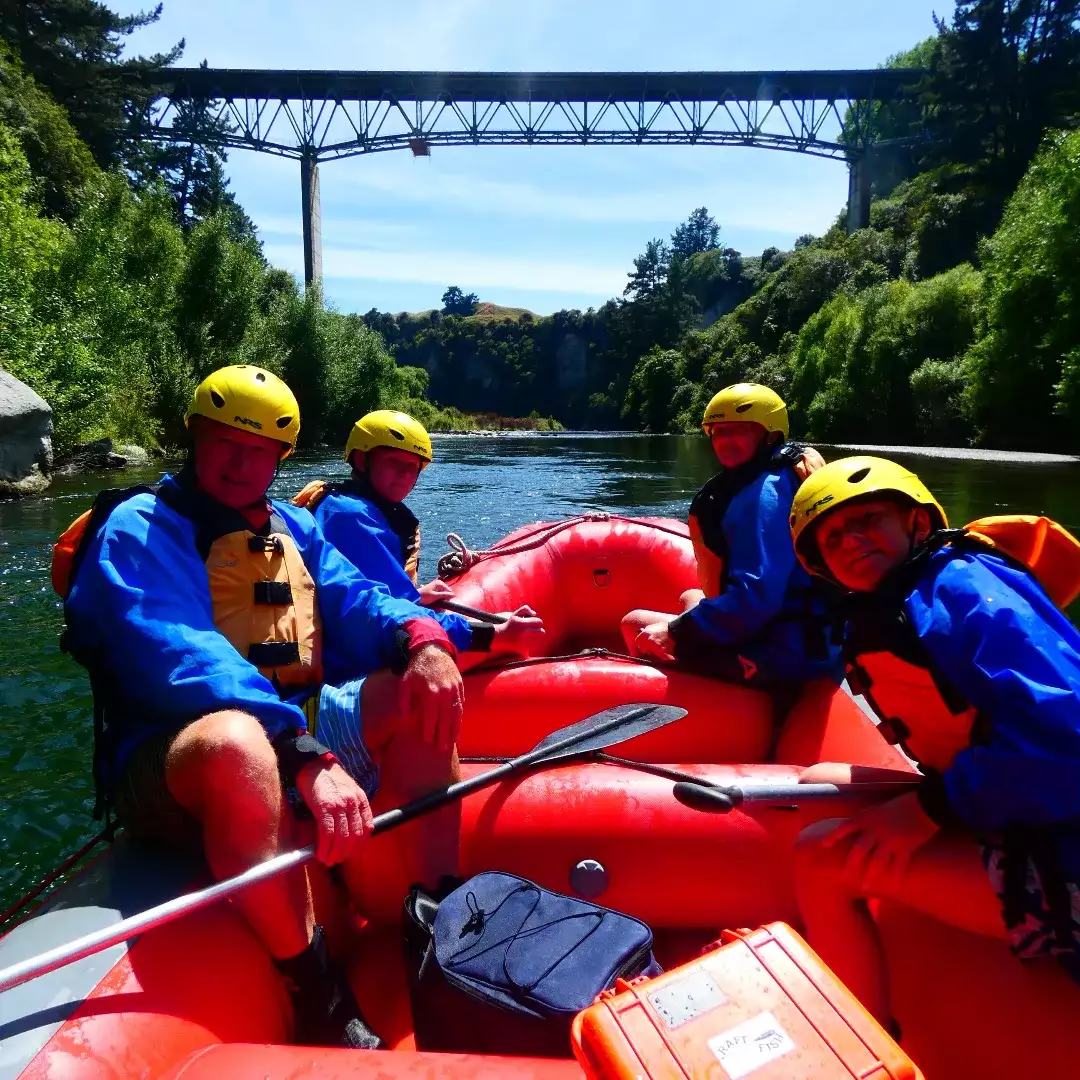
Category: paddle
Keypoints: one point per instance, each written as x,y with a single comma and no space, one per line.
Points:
472,612
605,728
717,799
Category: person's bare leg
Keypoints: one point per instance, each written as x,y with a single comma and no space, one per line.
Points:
425,850
633,622
691,598
224,772
945,880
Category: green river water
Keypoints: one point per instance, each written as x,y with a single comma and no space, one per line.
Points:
480,487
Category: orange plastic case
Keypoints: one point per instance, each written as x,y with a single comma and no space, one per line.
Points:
756,1004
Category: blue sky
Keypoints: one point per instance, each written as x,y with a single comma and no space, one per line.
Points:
537,227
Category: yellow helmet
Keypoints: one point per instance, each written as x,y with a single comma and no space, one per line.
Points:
250,399
385,427
747,402
842,481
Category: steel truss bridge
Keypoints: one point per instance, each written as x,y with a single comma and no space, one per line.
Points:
318,116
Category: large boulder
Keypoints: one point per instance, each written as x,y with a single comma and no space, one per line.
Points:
25,439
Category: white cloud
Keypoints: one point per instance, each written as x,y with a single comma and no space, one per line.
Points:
469,269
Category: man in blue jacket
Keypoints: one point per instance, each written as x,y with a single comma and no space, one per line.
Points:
758,619
976,673
366,518
217,626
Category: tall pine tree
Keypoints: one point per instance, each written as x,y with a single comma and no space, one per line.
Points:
698,233
74,49
1008,71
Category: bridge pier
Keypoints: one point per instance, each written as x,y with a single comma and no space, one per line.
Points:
858,201
312,214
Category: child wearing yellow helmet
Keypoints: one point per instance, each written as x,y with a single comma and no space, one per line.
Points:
975,672
757,619
365,517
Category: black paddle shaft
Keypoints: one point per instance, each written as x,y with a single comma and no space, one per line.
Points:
585,737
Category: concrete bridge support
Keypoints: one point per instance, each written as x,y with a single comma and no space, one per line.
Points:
858,201
309,184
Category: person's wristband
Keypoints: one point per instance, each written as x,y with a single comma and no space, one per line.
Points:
414,635
483,636
294,751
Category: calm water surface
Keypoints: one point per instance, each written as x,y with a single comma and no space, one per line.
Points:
481,487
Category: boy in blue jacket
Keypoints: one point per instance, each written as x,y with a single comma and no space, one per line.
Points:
758,619
365,517
976,673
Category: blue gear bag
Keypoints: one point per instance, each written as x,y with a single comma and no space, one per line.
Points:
528,958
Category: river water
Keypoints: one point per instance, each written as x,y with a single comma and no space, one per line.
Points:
480,487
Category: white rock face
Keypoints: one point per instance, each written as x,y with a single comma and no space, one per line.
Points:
25,439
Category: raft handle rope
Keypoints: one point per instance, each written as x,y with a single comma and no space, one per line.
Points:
461,557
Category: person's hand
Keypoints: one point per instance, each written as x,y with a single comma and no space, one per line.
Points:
340,808
655,641
432,687
808,464
883,838
826,772
434,591
521,627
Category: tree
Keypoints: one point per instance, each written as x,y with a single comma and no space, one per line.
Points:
1007,73
191,164
59,160
1024,376
74,49
649,273
699,232
456,302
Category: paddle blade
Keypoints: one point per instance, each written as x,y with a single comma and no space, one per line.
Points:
604,729
709,800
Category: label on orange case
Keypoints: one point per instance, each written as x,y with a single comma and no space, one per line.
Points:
750,1045
680,1002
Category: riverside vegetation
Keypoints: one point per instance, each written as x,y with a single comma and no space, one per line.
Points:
128,270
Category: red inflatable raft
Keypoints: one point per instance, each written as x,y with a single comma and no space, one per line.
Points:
199,998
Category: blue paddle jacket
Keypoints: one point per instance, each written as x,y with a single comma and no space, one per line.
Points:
359,529
140,604
768,606
999,641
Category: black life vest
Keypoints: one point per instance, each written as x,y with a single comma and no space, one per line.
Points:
402,521
711,503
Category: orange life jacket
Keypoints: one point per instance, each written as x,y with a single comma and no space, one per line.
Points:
263,597
399,517
1045,548
918,708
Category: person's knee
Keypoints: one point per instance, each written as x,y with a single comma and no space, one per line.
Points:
223,755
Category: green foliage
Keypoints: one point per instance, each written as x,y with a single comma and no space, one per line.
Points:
1025,373
698,233
656,386
73,48
456,302
855,362
58,159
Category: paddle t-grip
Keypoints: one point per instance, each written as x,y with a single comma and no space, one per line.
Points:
710,800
